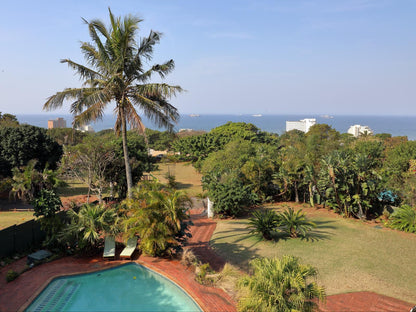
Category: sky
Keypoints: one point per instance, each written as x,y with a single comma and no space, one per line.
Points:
351,57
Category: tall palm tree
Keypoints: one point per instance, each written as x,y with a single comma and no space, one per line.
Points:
116,75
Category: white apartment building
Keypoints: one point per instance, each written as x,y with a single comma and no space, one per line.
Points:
302,125
356,130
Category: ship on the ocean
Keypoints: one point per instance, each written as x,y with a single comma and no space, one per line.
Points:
194,115
257,115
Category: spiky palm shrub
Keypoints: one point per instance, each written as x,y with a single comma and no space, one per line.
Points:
295,223
280,285
264,223
404,219
89,225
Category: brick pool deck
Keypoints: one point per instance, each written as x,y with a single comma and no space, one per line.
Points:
16,295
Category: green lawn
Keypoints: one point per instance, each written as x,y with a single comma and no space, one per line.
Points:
9,218
350,256
187,177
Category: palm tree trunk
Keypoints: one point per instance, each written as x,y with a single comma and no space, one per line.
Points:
126,154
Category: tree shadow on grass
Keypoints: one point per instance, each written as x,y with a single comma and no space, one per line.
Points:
181,186
72,191
236,254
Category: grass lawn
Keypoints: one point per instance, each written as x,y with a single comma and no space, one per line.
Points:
349,255
187,177
9,218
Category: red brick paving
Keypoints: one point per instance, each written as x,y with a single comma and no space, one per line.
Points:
19,293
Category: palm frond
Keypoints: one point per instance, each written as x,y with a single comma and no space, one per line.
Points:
83,71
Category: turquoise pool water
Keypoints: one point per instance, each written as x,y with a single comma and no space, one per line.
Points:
129,287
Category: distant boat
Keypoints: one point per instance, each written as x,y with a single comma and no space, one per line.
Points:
194,115
327,116
257,115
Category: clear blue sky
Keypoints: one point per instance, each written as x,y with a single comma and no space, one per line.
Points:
232,56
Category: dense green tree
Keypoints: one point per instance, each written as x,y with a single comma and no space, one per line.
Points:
159,140
320,140
117,75
280,285
19,145
197,148
229,194
8,120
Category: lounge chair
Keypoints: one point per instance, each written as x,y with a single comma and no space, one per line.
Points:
129,249
109,247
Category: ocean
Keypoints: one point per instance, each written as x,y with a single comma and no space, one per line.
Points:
395,125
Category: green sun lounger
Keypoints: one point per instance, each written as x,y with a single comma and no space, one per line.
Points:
129,249
109,247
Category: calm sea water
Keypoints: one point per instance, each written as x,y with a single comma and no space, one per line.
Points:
395,125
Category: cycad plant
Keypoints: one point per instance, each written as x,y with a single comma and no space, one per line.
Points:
404,219
295,223
280,285
89,225
264,222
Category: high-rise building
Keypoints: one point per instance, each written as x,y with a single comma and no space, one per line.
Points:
57,123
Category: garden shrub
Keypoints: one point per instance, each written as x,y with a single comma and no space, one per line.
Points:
404,219
11,276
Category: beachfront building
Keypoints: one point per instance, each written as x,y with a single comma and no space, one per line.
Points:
357,130
302,125
56,123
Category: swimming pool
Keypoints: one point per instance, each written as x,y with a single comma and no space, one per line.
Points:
129,287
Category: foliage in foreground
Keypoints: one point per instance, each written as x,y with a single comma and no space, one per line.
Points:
159,216
88,225
280,285
404,219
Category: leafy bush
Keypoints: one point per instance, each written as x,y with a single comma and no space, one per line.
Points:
230,197
46,204
160,217
280,285
201,275
404,219
264,223
11,276
295,223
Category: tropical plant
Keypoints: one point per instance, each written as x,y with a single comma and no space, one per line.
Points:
264,222
160,217
46,204
88,225
295,223
404,219
280,285
117,75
